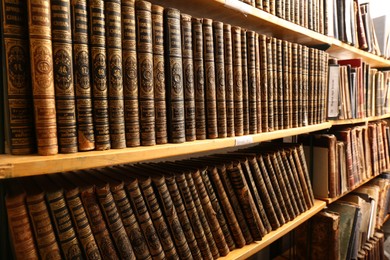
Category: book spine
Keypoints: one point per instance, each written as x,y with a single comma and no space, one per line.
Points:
280,97
130,74
82,83
245,93
290,82
228,62
305,80
41,55
295,86
237,82
258,84
286,87
188,80
97,43
275,76
18,77
300,85
299,156
220,78
159,75
252,82
270,83
63,76
263,83
311,86
174,76
143,11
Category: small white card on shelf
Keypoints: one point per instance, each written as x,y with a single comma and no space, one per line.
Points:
243,140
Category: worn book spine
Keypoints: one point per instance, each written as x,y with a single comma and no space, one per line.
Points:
305,80
228,62
41,56
220,84
97,43
286,86
274,56
130,74
237,82
18,77
183,216
279,87
159,75
264,83
63,76
300,84
266,5
311,86
188,77
209,74
174,76
252,82
295,86
143,12
258,84
290,82
299,156
245,94
82,76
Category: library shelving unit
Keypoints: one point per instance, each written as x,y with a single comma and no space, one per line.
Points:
236,13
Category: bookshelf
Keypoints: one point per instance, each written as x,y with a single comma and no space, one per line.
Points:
358,120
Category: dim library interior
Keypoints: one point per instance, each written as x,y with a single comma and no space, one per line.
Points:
197,129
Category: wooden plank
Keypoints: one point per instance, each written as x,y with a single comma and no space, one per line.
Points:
358,120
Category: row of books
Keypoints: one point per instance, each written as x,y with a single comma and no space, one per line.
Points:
347,156
124,74
199,208
349,227
356,90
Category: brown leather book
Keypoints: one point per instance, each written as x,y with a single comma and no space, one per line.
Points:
311,86
188,77
228,62
299,158
63,76
258,83
275,73
97,43
20,228
220,84
270,83
305,80
295,86
237,82
264,82
290,92
381,148
143,16
300,84
159,75
199,80
41,54
174,76
17,86
266,5
279,86
372,136
42,227
245,93
130,74
252,82
345,136
82,76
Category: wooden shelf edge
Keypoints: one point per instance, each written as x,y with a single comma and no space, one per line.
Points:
248,250
358,120
17,166
386,218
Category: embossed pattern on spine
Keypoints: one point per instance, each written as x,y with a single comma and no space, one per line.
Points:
228,62
237,81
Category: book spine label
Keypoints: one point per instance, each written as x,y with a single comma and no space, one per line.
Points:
228,62
252,82
237,82
41,55
245,94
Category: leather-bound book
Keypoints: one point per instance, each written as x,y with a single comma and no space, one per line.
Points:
237,82
63,76
245,93
299,158
174,76
345,136
130,74
220,84
295,86
159,75
288,99
42,77
20,229
263,82
82,76
270,83
97,43
229,90
279,86
112,9
275,73
266,5
40,221
311,86
299,82
143,12
290,93
305,80
252,82
258,83
209,74
17,86
61,218
199,80
188,77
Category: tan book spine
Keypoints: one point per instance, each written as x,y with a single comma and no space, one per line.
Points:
228,62
237,82
63,76
130,74
18,77
258,84
41,55
266,5
245,93
82,76
252,82
305,80
97,43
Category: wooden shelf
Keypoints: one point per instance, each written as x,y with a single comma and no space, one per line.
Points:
248,250
358,120
386,218
17,166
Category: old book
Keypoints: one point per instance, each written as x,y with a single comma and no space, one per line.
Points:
82,76
258,83
188,77
174,76
287,109
228,62
237,82
20,229
40,220
17,79
295,86
311,86
97,43
130,74
270,83
300,83
274,55
290,82
143,12
61,218
245,94
299,157
279,85
305,79
63,76
41,54
220,84
372,136
252,82
345,136
199,79
159,75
